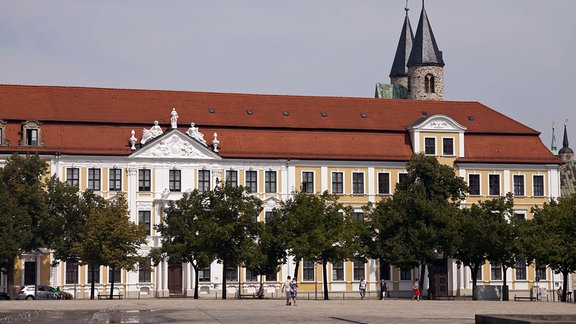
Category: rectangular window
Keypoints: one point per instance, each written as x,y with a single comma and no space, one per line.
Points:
232,274
538,185
272,277
495,271
385,270
270,183
144,220
448,146
175,180
359,269
402,177
251,275
338,271
73,176
479,274
405,274
232,178
203,180
430,146
252,181
358,216
115,181
308,182
383,183
144,271
518,185
204,274
32,137
117,275
94,179
520,269
520,215
144,179
308,270
540,274
71,272
267,215
357,182
494,184
474,184
337,182
96,273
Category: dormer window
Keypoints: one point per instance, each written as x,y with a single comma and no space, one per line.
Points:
3,141
31,135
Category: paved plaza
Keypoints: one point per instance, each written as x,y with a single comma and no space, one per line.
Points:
185,310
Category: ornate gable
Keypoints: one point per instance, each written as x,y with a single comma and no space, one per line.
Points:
175,144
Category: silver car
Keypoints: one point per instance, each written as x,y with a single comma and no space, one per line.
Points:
42,292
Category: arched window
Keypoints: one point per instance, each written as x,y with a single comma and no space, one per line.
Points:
429,83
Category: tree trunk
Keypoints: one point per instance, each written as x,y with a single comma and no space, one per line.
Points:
505,296
422,276
224,266
474,273
325,279
10,279
112,278
565,279
295,276
92,286
195,266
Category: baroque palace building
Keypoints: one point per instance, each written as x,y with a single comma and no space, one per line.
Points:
154,145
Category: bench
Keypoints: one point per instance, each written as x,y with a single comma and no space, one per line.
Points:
448,297
107,296
519,298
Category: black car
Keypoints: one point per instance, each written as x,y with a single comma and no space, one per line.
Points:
4,296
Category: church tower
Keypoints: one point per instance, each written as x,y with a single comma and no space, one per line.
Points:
566,152
425,64
399,71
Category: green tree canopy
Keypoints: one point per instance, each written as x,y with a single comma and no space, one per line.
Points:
549,237
320,229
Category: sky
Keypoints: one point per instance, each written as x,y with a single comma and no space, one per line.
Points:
515,56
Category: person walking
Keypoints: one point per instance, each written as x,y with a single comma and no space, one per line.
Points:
286,290
383,289
362,288
293,290
416,289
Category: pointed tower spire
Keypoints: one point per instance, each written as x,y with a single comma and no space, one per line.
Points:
566,152
553,146
425,64
399,71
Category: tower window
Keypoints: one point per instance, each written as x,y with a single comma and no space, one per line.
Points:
429,83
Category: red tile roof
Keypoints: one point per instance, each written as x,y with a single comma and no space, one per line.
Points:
79,120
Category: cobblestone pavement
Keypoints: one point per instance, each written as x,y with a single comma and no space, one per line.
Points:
185,310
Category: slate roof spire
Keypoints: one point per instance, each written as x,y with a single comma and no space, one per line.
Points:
424,49
404,48
566,152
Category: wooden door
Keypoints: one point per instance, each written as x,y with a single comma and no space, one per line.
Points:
175,279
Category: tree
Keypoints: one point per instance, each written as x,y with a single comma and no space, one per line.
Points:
232,229
428,202
321,229
486,231
549,237
183,230
24,211
504,234
271,246
110,239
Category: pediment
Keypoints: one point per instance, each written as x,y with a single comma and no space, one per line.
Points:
271,202
438,123
177,145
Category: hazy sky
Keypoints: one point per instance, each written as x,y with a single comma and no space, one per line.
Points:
515,56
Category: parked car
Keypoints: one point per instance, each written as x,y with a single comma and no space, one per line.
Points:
42,292
4,296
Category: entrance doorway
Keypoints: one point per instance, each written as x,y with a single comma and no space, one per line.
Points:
29,273
175,279
438,277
